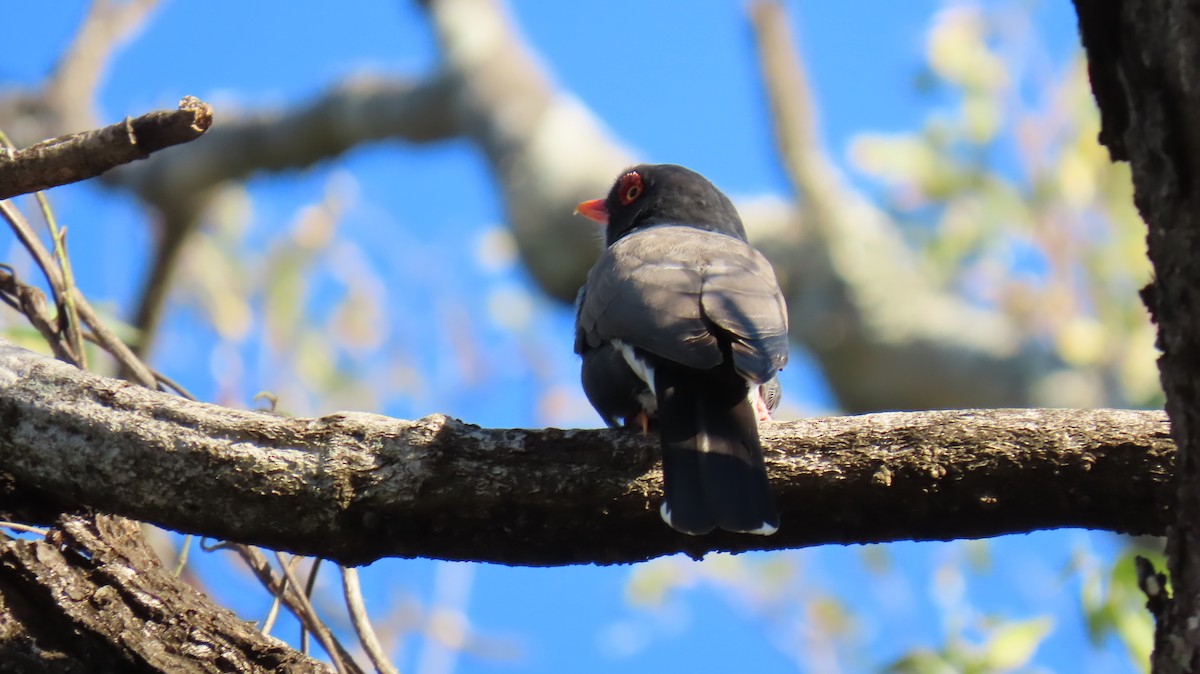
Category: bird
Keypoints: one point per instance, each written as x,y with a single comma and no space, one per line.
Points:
681,328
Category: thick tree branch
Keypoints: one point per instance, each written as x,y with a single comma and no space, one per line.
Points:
84,155
118,610
355,487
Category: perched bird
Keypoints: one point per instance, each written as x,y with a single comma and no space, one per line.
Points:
682,326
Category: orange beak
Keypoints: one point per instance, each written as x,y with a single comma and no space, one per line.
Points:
593,210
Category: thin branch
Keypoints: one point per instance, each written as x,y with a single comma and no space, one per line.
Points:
182,556
31,242
292,598
58,287
66,311
79,156
24,528
362,622
32,304
273,612
309,586
175,386
69,312
308,615
371,486
113,344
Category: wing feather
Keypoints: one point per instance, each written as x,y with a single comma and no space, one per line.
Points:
686,294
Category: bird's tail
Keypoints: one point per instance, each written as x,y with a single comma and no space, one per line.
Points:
713,470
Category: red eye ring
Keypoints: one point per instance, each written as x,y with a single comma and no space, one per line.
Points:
631,188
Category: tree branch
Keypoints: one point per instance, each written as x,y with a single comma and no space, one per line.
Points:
84,155
355,487
117,609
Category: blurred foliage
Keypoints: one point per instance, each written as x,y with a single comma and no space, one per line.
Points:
313,338
1014,203
1008,648
1114,607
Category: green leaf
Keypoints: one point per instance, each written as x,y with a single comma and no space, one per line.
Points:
1012,645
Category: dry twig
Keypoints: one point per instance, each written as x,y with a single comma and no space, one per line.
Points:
362,624
292,598
79,156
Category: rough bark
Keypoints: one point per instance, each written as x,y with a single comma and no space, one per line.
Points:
94,598
355,487
1142,60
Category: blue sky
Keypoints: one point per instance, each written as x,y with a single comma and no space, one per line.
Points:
678,83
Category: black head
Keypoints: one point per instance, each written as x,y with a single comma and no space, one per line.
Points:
658,194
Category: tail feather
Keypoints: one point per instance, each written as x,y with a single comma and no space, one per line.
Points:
713,470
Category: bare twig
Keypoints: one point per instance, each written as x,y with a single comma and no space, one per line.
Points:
173,385
53,274
111,343
17,526
279,593
33,245
308,592
70,312
32,304
261,568
67,313
308,616
273,612
84,155
182,556
362,623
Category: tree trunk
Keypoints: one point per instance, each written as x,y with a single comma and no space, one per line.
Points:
1143,60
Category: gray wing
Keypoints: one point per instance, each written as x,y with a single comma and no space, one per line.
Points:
680,292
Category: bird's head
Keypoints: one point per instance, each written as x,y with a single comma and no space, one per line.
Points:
662,194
